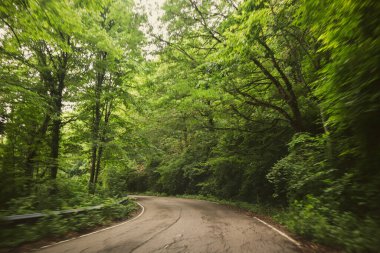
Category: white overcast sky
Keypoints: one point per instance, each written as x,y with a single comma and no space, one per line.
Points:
154,12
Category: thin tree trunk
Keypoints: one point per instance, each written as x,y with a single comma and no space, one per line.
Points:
57,121
91,184
95,143
56,134
99,159
103,138
32,153
96,124
54,155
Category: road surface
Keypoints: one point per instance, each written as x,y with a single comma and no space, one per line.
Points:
181,225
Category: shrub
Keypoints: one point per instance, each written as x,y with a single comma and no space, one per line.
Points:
304,170
57,226
316,220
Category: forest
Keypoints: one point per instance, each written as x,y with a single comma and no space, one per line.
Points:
271,102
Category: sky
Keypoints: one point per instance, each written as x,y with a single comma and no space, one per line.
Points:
154,12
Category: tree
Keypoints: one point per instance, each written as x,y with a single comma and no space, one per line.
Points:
114,59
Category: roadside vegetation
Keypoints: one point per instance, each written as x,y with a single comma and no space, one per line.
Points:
274,103
56,227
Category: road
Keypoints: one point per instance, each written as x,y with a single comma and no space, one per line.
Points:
181,225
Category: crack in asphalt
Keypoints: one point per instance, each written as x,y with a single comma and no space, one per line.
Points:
162,230
178,238
83,250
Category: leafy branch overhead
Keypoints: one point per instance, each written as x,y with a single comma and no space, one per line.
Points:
272,102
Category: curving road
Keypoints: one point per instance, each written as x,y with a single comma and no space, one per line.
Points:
181,225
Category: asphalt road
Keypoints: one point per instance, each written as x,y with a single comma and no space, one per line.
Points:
182,225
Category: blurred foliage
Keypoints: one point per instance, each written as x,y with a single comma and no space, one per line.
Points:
322,222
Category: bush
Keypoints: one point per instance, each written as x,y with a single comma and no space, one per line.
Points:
304,170
53,226
313,219
58,195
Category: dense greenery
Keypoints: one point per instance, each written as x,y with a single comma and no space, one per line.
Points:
67,72
55,227
271,102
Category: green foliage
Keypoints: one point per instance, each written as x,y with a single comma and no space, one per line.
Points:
349,88
257,209
321,222
233,90
118,180
55,226
60,62
70,194
304,170
232,84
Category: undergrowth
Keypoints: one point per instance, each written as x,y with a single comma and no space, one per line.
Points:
56,226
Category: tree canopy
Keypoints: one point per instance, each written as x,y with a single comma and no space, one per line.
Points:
272,102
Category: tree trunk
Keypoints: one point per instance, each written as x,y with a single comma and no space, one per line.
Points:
54,155
32,152
99,158
103,139
57,121
91,184
297,122
96,124
95,140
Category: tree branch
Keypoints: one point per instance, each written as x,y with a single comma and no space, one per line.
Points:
258,102
204,23
271,78
177,48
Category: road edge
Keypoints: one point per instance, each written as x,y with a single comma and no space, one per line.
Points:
298,244
282,233
95,232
